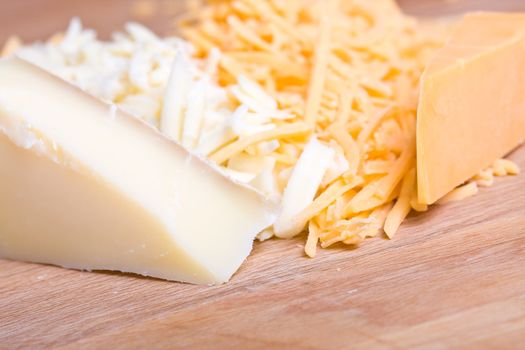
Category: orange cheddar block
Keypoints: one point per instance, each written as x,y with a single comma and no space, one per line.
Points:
472,102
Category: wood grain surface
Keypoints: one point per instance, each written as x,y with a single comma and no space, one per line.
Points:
453,277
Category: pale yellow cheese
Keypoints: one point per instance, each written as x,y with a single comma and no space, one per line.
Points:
459,193
472,106
85,186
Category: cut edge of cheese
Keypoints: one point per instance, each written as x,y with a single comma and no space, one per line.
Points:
87,186
471,111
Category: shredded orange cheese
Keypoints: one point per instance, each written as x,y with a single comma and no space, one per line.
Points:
320,62
460,193
350,70
287,130
402,207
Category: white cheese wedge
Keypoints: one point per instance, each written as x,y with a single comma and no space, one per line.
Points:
85,186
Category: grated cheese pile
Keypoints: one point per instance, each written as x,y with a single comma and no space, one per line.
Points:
311,102
350,70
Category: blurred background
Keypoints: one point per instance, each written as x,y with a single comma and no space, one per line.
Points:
38,19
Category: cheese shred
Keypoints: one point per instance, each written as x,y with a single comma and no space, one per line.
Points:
289,130
460,193
322,52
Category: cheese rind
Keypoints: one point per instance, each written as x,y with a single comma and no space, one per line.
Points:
86,186
471,108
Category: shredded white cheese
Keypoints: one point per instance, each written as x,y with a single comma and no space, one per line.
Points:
302,187
159,81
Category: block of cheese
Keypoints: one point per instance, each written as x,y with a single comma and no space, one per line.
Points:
472,102
85,186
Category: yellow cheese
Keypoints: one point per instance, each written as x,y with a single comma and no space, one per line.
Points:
472,106
85,186
459,193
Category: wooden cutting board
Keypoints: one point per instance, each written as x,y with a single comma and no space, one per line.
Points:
453,277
